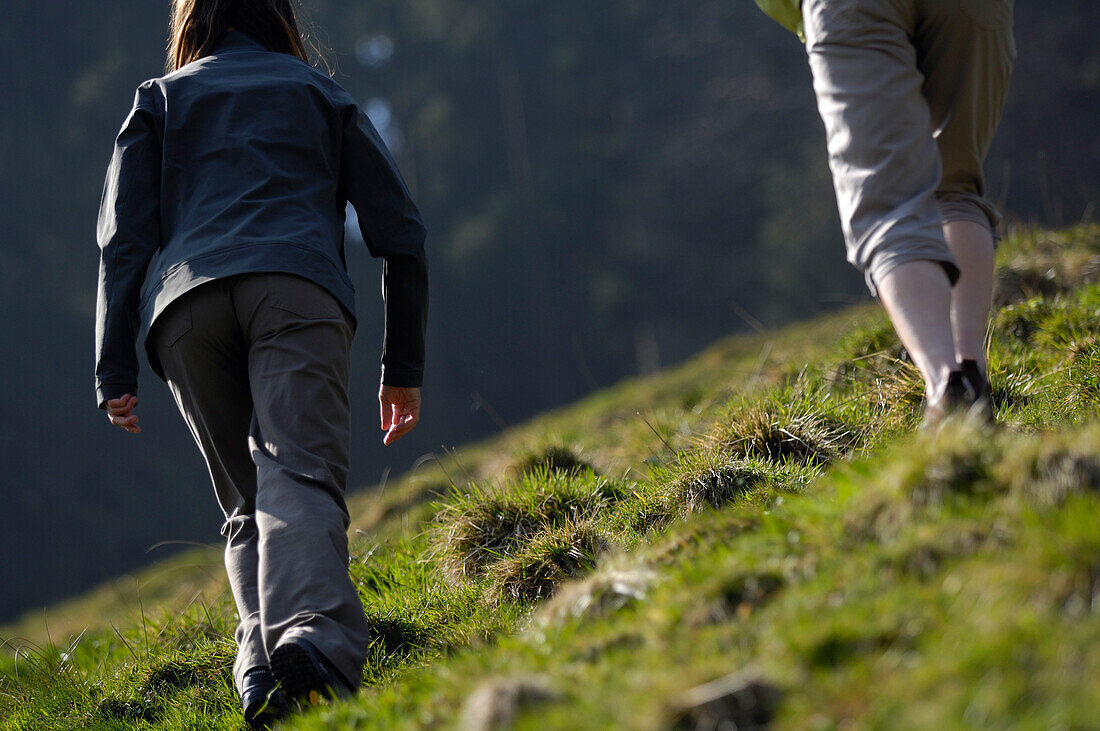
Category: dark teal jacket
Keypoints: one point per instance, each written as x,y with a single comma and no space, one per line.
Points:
243,162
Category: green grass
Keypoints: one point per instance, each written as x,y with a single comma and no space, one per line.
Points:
759,535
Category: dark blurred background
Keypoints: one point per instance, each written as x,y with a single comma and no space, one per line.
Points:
608,186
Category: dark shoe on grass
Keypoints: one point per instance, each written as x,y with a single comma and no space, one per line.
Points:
984,401
306,676
262,700
967,394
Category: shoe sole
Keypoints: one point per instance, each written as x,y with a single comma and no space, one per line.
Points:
298,675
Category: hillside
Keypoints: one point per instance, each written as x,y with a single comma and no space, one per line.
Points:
759,535
611,184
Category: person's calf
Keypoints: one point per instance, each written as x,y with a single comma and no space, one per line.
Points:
917,296
971,244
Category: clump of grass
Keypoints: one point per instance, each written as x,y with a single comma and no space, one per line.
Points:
1046,263
193,627
1018,281
734,702
1047,471
392,634
705,478
866,345
842,647
496,702
608,589
555,555
685,540
955,472
708,479
128,711
482,526
553,458
958,459
39,686
1083,377
955,460
877,516
148,691
784,427
1021,321
186,670
929,547
736,594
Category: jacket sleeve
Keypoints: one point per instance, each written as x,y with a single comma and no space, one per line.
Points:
394,231
128,232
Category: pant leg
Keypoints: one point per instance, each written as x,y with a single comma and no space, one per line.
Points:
885,164
205,359
298,365
965,51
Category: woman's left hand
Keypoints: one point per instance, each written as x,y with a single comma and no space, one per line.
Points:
400,411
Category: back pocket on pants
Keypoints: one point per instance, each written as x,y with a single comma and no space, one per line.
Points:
302,297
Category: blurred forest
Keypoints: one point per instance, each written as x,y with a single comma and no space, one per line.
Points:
608,188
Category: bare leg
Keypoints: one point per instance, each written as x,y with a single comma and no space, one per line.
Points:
972,245
917,296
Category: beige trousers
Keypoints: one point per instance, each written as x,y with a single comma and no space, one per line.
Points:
911,92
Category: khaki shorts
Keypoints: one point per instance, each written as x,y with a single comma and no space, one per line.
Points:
911,92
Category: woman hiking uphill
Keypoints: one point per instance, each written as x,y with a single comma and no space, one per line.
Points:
911,92
226,196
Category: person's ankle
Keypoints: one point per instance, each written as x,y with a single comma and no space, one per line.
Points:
935,382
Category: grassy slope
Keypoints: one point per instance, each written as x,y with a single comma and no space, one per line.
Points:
763,514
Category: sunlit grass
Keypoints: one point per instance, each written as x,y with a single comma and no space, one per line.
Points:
759,531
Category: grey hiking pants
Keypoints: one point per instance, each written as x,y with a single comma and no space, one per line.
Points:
911,92
259,366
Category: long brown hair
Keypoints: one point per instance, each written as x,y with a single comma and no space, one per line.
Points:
198,26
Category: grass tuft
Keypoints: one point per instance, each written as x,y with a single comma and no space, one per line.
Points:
496,703
482,526
392,635
607,590
733,702
1048,471
1045,264
736,594
784,428
553,556
711,479
113,709
554,458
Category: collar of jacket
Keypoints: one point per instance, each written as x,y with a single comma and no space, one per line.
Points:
236,40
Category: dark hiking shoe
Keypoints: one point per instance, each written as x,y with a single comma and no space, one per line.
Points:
306,676
262,700
974,374
967,394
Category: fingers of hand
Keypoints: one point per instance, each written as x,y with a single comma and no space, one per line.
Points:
400,411
387,411
129,423
402,424
121,406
